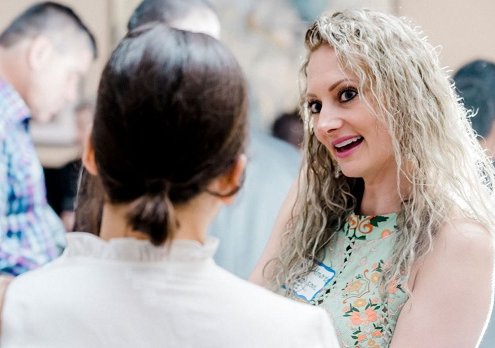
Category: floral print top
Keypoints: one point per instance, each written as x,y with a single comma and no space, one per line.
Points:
347,282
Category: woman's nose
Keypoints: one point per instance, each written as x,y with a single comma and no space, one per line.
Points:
328,120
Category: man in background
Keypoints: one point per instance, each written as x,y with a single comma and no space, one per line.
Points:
44,53
475,83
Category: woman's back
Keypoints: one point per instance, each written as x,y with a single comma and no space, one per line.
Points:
129,293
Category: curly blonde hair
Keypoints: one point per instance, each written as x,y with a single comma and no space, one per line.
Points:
435,148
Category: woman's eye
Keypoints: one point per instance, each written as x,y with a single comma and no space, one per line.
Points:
347,95
314,107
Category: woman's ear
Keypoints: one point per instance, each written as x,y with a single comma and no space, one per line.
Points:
231,181
88,156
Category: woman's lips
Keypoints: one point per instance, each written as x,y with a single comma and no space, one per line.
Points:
345,146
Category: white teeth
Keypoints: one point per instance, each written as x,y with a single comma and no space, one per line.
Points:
347,142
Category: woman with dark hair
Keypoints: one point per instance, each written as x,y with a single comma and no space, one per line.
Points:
198,16
167,146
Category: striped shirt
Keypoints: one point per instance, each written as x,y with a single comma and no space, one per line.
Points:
31,234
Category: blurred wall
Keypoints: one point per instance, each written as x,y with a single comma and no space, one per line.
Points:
464,29
267,36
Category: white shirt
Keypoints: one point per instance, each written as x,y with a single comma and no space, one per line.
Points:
129,293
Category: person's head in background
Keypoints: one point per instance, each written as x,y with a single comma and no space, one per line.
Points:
192,15
289,127
168,135
475,83
83,112
175,13
44,53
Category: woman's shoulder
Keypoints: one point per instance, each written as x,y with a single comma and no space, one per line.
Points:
453,280
465,236
462,245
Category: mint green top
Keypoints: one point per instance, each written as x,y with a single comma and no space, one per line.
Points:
346,282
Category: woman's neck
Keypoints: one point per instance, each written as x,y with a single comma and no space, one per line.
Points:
193,220
381,196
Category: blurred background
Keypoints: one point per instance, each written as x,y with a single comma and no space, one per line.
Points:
267,38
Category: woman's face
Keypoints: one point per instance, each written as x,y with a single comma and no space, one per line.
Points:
343,122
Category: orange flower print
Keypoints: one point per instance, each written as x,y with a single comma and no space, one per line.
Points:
359,303
359,318
372,344
353,221
354,286
365,227
375,277
376,333
386,233
371,315
392,287
361,337
356,319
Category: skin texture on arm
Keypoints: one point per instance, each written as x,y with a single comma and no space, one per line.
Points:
4,283
273,246
452,292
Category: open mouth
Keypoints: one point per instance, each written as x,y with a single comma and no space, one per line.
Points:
348,144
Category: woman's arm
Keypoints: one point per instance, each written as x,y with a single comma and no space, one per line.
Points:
4,283
273,246
452,291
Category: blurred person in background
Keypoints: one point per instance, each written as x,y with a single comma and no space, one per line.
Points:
149,280
272,164
475,84
289,127
61,182
44,53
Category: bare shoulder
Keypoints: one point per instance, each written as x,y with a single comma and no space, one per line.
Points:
463,236
461,246
454,281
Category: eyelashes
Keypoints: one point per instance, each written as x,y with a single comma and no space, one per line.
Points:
347,94
344,95
314,107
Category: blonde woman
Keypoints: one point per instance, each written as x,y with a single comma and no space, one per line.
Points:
390,225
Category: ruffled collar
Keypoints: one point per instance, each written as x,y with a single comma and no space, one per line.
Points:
368,227
81,244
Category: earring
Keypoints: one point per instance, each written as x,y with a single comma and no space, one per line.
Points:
337,171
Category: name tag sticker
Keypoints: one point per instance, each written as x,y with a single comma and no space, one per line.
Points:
310,285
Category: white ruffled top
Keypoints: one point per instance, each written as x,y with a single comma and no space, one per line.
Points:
82,244
129,293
